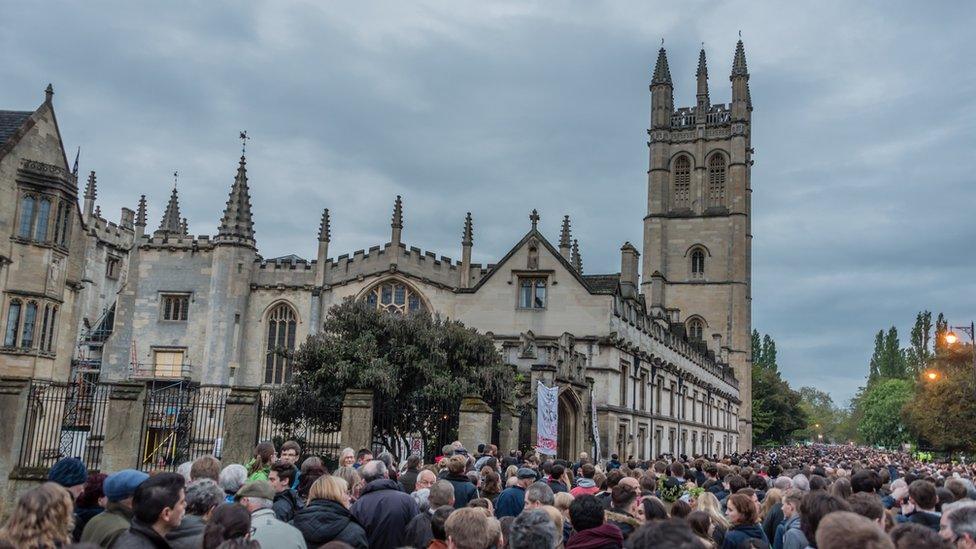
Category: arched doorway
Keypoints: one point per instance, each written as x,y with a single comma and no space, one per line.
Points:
568,423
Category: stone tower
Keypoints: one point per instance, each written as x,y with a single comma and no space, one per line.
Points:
697,233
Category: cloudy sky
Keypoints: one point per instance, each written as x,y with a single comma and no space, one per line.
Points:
863,126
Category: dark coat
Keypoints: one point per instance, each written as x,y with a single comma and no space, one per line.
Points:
557,486
108,525
772,520
324,520
419,533
464,491
742,532
384,510
140,536
286,504
622,520
605,536
82,516
925,518
510,502
409,480
189,534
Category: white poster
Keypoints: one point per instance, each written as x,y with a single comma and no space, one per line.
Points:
596,431
548,419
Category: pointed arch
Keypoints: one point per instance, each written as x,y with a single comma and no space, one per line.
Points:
396,295
697,255
717,165
681,182
696,328
282,323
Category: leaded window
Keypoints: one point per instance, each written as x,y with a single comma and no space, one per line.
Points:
395,297
716,181
175,307
696,329
532,293
681,197
282,323
50,333
30,318
26,216
698,263
13,323
40,227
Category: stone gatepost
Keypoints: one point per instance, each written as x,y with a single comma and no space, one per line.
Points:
474,424
508,426
13,410
123,426
241,422
357,419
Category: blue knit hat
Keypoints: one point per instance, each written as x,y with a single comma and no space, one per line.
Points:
68,472
123,484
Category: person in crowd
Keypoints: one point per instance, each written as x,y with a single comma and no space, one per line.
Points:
363,456
920,508
491,485
347,457
701,525
490,453
425,479
868,505
232,477
958,525
557,479
651,508
103,529
843,529
418,531
286,501
470,528
158,506
260,464
511,501
708,503
438,523
614,462
791,521
585,485
312,471
205,466
562,501
590,528
409,477
202,497
910,535
841,488
538,494
744,518
464,491
354,482
670,533
533,529
623,508
88,504
771,512
228,523
182,469
41,518
814,507
290,452
382,508
257,497
71,474
680,509
326,517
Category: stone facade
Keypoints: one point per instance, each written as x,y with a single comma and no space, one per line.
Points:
168,305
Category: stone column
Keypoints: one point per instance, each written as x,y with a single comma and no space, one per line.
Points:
474,425
13,410
357,419
508,426
241,421
123,426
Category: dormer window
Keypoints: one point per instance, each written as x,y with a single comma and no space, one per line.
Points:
532,293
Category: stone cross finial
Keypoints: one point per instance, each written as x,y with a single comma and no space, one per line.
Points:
98,211
534,218
48,93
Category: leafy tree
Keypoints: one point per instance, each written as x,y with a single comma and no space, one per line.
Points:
941,329
881,407
919,353
776,410
410,360
893,365
874,370
820,410
944,410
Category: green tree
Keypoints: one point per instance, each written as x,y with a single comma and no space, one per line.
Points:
405,359
893,359
877,357
941,329
881,405
919,353
944,410
776,410
823,416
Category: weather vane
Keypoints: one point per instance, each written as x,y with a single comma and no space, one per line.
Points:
740,33
176,178
244,139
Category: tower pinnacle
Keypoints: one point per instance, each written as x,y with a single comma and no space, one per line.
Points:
702,74
170,224
565,238
237,224
467,237
534,218
397,213
325,229
91,189
141,212
577,258
662,74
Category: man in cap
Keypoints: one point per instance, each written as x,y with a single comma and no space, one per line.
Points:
258,497
70,473
512,500
105,527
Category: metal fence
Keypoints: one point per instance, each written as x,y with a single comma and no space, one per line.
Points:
181,422
414,426
64,420
318,433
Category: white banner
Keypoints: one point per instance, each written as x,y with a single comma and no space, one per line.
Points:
548,419
596,431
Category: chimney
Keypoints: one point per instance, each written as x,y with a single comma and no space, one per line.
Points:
128,218
629,278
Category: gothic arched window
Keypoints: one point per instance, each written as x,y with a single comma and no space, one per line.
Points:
30,319
282,323
696,329
26,216
698,263
716,180
13,323
40,227
50,333
395,297
681,195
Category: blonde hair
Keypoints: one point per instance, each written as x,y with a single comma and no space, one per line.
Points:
773,496
511,471
557,518
563,501
352,478
43,517
329,487
709,503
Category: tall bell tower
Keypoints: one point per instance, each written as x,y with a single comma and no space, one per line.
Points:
698,232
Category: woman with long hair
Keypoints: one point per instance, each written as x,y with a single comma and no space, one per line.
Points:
326,517
309,476
701,525
354,482
229,522
260,465
91,502
42,519
771,512
708,503
491,484
744,517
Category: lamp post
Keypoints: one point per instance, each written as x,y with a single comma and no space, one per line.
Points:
951,339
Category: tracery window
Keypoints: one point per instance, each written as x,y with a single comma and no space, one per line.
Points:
532,293
282,323
50,333
13,323
30,318
698,263
716,181
26,216
681,197
40,227
395,297
696,329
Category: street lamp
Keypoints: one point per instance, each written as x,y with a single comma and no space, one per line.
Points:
951,339
931,375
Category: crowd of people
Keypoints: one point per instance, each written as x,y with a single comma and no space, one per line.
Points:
817,496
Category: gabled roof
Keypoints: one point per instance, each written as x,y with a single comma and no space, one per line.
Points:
10,122
603,283
290,258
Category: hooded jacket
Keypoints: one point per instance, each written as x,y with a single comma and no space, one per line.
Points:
622,520
286,504
464,491
324,520
742,532
140,536
384,512
605,536
584,487
106,527
189,534
510,502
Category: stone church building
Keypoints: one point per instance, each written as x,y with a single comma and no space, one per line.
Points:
660,350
